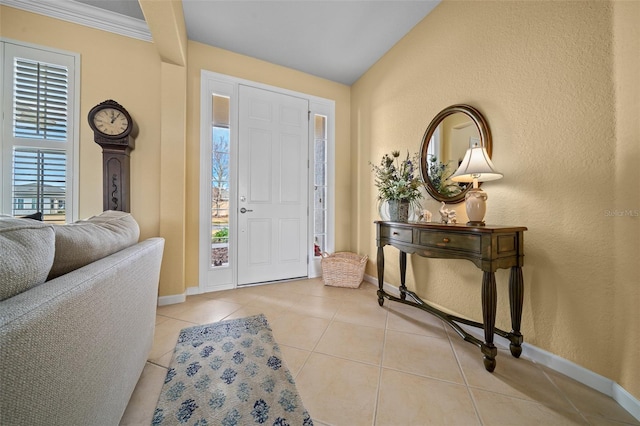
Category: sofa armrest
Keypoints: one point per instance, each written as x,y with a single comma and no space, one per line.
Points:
72,349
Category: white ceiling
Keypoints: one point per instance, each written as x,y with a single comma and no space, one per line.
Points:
335,39
124,7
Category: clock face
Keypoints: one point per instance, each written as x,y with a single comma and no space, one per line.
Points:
110,121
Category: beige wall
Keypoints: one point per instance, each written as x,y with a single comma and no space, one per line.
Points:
558,84
112,67
624,282
131,72
203,57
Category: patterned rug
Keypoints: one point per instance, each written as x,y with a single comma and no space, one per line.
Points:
229,373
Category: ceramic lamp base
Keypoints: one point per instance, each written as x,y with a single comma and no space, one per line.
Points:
476,205
470,223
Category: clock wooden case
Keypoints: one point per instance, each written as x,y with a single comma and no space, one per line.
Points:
115,131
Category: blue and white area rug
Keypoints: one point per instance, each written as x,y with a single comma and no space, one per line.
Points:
229,373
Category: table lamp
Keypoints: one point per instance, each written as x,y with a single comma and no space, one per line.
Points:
476,167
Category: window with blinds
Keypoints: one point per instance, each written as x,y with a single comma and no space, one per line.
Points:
39,183
40,135
40,102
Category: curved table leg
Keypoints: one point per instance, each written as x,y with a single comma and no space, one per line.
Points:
380,262
516,296
403,274
489,363
489,302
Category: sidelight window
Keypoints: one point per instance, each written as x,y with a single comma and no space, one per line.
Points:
220,185
320,185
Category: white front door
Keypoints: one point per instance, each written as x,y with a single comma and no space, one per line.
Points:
272,186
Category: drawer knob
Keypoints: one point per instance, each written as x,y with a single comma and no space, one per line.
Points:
445,240
395,233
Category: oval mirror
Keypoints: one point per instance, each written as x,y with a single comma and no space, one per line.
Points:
454,130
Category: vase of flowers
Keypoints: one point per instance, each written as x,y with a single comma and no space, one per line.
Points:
398,184
398,210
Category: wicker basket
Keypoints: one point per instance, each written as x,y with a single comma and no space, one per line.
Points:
343,269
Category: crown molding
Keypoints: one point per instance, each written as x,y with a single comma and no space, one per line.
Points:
87,15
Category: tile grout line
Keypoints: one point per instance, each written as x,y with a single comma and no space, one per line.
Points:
464,376
563,393
157,365
379,385
313,350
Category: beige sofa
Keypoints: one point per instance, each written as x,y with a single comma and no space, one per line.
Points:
72,348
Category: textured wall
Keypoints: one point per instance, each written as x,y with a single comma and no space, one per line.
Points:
112,67
626,315
545,75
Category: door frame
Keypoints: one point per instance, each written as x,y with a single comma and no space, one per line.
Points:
225,85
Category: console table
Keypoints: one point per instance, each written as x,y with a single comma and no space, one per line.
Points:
489,247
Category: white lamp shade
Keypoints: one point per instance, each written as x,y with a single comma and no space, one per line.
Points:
476,165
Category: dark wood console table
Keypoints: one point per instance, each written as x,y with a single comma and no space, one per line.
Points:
489,247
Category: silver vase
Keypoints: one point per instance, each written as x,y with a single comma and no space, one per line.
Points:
398,211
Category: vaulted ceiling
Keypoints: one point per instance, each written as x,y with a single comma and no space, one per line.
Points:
333,39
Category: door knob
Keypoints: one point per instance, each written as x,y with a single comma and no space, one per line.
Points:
243,210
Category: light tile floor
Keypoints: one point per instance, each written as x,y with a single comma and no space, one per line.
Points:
356,363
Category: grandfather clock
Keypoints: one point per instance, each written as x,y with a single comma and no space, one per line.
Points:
115,131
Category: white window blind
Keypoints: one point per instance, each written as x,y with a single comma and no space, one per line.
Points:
39,183
40,134
41,95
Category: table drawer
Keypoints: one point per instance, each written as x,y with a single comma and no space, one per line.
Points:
398,234
465,242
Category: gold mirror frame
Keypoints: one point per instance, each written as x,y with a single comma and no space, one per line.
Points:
485,140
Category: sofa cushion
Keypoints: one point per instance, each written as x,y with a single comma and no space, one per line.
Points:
85,241
27,248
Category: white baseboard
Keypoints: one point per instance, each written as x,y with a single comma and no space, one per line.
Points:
170,300
626,400
193,290
554,362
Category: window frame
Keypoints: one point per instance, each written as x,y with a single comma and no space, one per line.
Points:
9,49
